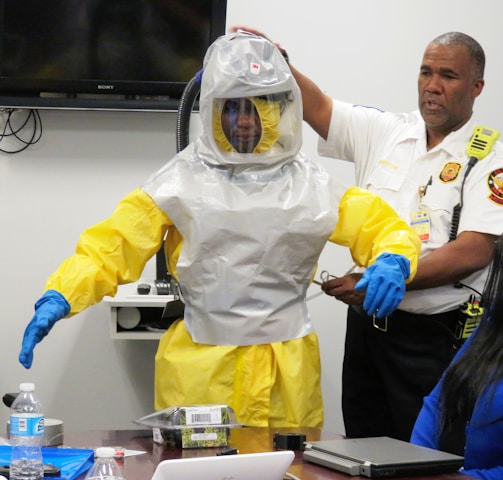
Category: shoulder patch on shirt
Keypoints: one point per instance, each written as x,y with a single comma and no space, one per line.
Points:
450,172
495,184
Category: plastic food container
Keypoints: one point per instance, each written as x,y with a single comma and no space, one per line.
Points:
195,426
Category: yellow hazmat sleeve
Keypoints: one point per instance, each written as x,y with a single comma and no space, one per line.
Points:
369,226
112,252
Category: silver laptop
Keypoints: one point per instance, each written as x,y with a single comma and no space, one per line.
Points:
380,457
246,466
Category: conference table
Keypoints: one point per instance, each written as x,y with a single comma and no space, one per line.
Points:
245,439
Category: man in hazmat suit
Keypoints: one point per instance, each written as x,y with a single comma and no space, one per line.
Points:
244,217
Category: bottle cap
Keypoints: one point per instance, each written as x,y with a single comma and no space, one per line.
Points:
105,452
27,387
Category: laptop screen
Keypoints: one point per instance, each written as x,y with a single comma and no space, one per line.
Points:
247,466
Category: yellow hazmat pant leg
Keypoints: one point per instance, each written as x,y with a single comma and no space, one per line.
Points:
266,385
296,398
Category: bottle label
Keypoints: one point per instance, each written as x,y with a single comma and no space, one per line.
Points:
23,425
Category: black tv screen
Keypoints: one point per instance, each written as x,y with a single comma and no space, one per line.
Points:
103,52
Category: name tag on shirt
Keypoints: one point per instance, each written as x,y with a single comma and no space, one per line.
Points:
420,223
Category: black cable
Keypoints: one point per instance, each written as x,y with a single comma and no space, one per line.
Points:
456,212
456,215
11,131
463,285
185,108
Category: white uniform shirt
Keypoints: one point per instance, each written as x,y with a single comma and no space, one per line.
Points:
390,157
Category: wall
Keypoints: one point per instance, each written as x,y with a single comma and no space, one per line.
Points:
362,51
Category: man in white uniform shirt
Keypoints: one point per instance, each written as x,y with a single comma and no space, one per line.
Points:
418,163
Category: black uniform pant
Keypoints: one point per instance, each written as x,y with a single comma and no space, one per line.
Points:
389,366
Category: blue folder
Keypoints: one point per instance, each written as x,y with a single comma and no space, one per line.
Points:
71,461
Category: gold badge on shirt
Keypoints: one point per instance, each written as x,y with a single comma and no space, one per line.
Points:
450,172
495,184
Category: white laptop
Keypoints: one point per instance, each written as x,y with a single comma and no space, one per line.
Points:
380,457
245,466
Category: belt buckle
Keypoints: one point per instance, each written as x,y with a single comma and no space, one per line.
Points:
375,320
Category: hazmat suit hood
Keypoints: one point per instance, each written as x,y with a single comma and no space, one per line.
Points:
244,67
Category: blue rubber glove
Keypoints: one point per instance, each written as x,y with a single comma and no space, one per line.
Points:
385,284
50,308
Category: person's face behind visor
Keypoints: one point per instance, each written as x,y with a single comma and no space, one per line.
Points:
246,125
241,124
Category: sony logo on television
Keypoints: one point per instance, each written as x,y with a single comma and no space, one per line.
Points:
106,87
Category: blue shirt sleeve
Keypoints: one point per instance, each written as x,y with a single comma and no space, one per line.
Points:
425,431
426,428
495,473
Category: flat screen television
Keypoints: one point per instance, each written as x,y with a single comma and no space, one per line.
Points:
104,54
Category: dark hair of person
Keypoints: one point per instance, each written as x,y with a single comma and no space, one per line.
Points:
480,368
475,51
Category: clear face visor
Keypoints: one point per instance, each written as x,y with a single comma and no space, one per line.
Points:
248,124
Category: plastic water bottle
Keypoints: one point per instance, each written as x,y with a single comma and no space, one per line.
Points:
26,435
105,466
